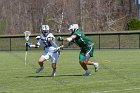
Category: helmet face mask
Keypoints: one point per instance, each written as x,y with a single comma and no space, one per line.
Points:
44,29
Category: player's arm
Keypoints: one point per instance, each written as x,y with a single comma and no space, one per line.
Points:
51,39
32,45
69,39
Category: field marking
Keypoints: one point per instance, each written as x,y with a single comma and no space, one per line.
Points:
108,91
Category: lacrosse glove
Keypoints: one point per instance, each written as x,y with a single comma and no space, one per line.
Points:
60,38
28,44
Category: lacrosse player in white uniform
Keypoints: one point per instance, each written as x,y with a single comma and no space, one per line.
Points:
47,40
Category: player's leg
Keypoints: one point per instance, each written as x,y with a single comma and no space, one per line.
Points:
54,58
89,53
83,65
54,69
95,64
41,60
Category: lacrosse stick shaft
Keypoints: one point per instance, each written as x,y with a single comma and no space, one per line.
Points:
26,57
26,54
26,47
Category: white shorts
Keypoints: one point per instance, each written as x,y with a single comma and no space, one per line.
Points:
50,55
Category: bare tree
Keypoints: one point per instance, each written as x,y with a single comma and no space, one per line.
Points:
16,16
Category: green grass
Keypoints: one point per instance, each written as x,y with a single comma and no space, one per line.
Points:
118,73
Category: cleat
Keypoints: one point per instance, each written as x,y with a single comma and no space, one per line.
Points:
53,74
39,69
96,66
86,74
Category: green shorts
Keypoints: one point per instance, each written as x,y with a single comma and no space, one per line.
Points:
86,53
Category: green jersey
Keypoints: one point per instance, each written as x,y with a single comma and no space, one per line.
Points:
81,40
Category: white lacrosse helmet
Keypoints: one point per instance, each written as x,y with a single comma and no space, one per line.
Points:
45,27
73,27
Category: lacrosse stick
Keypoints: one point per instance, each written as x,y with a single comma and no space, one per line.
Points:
27,34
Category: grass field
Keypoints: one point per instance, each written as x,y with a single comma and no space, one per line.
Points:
119,73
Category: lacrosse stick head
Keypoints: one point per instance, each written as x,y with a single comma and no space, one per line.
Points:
27,34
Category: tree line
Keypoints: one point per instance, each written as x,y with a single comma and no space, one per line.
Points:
17,16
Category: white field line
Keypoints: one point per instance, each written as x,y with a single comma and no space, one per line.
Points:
110,91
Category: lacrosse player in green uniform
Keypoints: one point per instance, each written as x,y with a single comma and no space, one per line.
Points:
86,46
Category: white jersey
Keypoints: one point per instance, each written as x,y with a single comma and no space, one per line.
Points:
48,42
